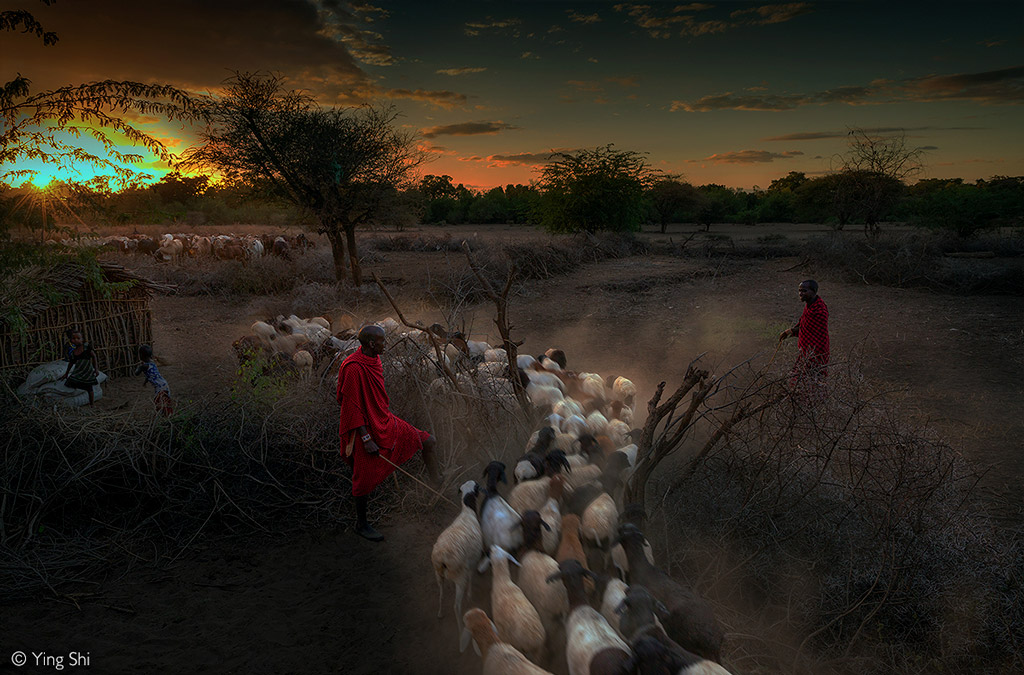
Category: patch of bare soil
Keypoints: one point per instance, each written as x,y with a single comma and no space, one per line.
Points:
327,601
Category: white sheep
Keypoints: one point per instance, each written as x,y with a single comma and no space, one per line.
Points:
303,360
478,349
525,361
618,432
611,598
600,520
500,658
516,619
550,600
591,644
498,521
597,424
498,354
551,513
540,395
458,549
575,425
264,331
623,390
567,409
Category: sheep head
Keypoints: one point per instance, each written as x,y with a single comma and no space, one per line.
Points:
649,656
638,610
494,472
556,461
531,524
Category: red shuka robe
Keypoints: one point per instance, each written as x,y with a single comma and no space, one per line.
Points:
364,402
812,338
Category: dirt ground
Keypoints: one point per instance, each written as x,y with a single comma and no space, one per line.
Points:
327,601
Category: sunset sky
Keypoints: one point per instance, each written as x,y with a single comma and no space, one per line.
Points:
725,92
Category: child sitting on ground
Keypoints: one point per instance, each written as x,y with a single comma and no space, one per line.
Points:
162,398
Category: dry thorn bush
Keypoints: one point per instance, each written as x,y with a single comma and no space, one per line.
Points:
842,538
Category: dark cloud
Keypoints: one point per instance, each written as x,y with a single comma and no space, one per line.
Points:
662,23
523,158
585,85
994,86
583,18
443,98
750,156
767,14
928,147
1005,86
817,135
196,45
460,71
345,21
467,129
627,81
490,25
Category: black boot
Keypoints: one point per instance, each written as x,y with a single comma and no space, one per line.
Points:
363,528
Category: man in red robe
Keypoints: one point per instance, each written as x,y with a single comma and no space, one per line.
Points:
369,431
811,334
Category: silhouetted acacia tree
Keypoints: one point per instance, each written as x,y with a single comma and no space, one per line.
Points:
591,190
872,174
670,197
343,165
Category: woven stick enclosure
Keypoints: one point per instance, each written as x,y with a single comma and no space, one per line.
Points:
115,323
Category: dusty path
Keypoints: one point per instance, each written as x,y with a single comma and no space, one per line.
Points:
326,601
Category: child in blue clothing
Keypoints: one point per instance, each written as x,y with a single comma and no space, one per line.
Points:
162,398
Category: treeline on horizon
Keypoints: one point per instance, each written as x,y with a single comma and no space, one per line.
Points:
838,200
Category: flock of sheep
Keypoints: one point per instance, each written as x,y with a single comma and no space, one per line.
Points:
587,584
176,247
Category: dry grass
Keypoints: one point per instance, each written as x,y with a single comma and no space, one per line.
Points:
839,538
918,259
86,494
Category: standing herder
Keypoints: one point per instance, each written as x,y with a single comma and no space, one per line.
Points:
811,333
373,440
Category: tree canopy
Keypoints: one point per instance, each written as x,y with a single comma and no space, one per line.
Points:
43,126
591,190
343,165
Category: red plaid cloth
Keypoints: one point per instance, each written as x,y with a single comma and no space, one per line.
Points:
364,402
163,403
812,338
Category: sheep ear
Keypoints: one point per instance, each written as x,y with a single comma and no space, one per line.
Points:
593,577
484,563
621,609
514,560
661,609
465,639
554,577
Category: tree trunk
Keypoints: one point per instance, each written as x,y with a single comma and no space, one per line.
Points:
664,226
353,257
337,252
